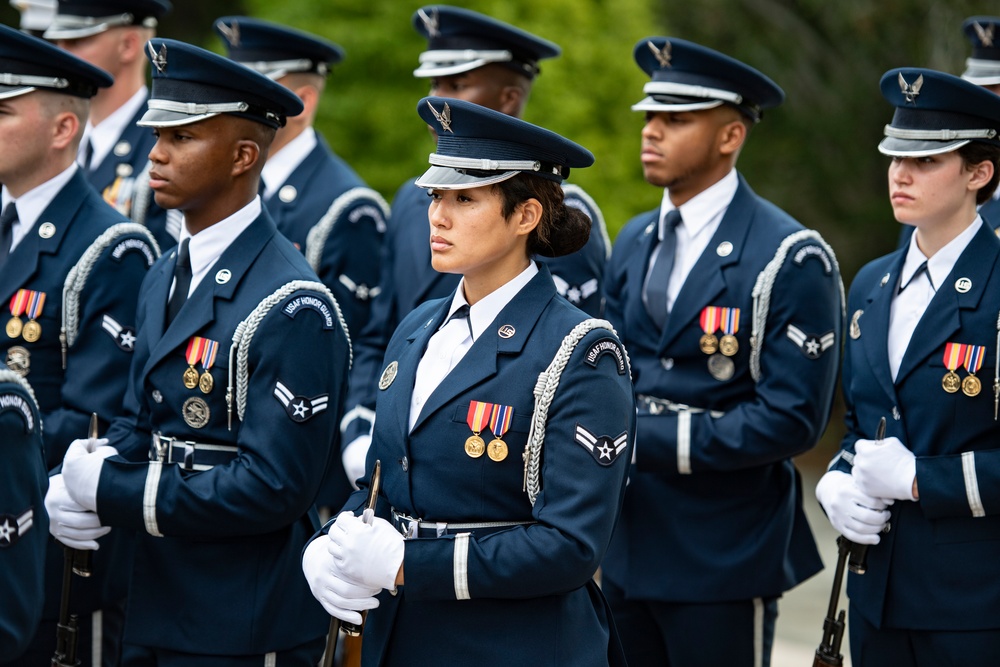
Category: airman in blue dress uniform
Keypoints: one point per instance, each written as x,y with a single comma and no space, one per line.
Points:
114,150
235,391
921,357
70,269
309,191
479,59
509,532
983,69
23,521
731,312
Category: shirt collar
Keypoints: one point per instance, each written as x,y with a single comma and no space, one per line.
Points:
940,265
208,245
33,203
704,207
106,134
279,167
486,309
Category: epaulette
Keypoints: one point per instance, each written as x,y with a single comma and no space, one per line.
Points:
77,277
590,207
316,239
765,285
545,391
245,331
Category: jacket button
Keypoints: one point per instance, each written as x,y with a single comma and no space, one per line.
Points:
157,396
667,364
404,463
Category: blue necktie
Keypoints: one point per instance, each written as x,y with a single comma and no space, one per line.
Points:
7,220
916,274
182,281
462,312
655,292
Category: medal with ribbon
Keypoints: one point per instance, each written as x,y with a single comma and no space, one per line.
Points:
32,329
728,344
709,320
18,303
954,354
477,419
499,424
195,348
974,354
206,382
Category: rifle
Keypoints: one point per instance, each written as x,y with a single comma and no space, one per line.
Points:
76,561
336,625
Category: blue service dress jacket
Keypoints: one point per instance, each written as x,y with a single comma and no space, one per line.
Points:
122,178
713,510
24,525
327,211
222,514
408,279
514,594
935,569
109,256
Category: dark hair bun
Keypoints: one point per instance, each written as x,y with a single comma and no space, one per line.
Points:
569,232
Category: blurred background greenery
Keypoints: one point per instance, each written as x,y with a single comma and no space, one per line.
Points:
815,156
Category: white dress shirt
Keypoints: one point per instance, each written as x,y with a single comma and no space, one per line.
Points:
208,245
908,305
700,218
33,203
280,165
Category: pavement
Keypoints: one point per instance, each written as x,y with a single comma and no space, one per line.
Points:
801,611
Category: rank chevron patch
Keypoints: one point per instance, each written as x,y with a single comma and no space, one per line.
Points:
300,408
124,336
603,448
13,527
811,345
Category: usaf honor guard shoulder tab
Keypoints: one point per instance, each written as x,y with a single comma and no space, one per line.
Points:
14,402
299,302
604,448
814,251
604,347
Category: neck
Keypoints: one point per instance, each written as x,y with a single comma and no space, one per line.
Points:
109,100
286,135
682,193
931,238
49,169
199,218
480,285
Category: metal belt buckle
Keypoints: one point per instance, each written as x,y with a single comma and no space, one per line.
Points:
160,447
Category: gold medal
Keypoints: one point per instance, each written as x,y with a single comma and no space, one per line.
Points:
951,382
971,386
709,344
191,378
32,331
475,446
14,326
497,449
721,367
728,345
206,382
195,412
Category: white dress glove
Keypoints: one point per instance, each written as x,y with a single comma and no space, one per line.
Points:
884,469
354,457
341,599
82,469
855,515
369,554
69,522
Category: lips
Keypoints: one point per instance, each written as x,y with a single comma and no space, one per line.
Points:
439,243
156,181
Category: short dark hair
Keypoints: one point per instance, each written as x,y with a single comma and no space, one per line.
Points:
562,229
975,152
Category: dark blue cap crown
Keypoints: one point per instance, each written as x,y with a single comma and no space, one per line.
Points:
983,67
76,19
459,40
276,50
936,113
479,146
687,77
28,63
191,84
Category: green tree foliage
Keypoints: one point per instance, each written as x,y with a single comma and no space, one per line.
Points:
369,117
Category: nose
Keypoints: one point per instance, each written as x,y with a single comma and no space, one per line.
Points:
437,214
157,154
653,129
899,170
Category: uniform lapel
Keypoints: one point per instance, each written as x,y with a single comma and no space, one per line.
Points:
640,324
199,310
707,278
874,325
480,363
284,212
22,264
943,315
409,359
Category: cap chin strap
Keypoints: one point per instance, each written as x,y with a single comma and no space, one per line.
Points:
688,90
939,135
193,109
27,80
